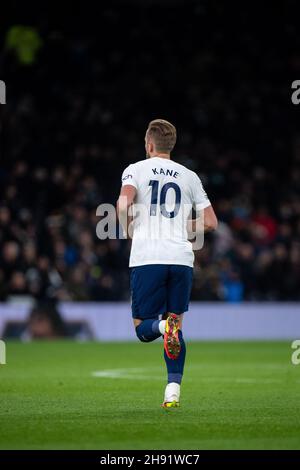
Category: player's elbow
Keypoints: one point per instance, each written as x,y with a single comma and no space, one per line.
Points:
210,219
212,223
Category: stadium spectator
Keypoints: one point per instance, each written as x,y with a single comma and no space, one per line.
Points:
44,322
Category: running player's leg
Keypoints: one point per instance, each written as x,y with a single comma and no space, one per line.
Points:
179,289
148,288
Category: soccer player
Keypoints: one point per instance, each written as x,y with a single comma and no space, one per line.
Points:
156,199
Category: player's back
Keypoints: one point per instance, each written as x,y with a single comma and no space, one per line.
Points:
166,193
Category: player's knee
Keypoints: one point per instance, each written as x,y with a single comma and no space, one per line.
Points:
139,333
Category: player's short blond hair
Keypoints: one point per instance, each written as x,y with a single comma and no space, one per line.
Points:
163,134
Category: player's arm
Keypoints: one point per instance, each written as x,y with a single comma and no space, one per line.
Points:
126,199
207,221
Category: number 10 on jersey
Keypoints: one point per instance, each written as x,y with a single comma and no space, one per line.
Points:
162,198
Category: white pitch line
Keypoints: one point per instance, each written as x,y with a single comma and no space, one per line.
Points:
140,374
129,373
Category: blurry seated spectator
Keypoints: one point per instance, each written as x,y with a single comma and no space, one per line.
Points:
44,323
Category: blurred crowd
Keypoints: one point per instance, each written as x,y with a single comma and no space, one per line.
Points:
75,118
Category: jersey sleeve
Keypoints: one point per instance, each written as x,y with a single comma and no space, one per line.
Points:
129,176
200,198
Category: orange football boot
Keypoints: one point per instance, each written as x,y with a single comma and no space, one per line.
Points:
171,340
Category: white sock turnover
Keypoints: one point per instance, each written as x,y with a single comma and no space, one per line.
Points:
162,326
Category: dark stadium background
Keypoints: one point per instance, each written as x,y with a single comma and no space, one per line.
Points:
83,80
79,98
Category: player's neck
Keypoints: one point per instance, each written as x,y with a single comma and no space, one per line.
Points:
160,155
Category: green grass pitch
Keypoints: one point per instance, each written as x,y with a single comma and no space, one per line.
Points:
234,396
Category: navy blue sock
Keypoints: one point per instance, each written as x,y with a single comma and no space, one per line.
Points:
175,366
148,330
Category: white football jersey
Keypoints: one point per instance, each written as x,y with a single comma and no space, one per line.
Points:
166,194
